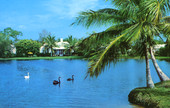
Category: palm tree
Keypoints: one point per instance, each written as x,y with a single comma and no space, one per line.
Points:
50,41
150,83
163,23
129,23
161,75
72,43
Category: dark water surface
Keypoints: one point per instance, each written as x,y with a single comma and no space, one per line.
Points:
109,90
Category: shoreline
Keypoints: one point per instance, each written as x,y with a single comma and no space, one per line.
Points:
138,57
41,58
72,57
157,97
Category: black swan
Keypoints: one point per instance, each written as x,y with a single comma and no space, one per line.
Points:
71,79
57,82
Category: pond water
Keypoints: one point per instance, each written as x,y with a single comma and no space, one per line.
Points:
109,90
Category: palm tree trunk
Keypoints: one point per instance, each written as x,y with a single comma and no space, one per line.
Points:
51,52
149,81
161,75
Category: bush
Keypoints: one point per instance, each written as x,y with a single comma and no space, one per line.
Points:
164,51
44,55
25,46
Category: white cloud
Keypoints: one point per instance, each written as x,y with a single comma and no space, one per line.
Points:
43,18
69,8
81,5
21,26
56,6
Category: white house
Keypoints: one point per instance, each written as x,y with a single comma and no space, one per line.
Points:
13,49
158,46
60,50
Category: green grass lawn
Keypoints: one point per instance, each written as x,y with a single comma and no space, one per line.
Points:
68,57
35,58
159,57
158,97
138,57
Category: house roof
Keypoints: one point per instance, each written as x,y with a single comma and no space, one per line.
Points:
60,45
58,48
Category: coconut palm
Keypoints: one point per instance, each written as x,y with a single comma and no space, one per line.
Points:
132,22
72,43
156,10
161,75
50,41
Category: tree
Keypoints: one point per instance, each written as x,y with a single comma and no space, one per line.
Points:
165,51
161,75
51,42
4,46
150,83
25,46
44,34
87,47
132,22
8,37
157,16
72,43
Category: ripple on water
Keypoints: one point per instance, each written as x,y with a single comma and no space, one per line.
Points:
109,90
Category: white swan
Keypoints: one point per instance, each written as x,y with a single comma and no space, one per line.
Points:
27,77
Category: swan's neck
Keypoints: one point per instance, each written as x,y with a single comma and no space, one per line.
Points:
59,79
72,77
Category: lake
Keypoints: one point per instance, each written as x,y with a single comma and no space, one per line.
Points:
109,90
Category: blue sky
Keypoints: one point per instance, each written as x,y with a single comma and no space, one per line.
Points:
55,16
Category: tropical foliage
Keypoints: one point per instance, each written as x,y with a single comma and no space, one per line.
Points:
73,43
8,37
50,43
44,34
132,22
25,47
165,51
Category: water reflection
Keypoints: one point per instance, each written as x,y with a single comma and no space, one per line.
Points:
110,89
5,61
27,81
167,60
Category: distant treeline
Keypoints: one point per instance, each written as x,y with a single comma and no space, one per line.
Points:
81,47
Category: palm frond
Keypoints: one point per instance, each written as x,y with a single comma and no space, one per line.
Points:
166,19
111,32
134,21
156,9
50,41
99,61
128,8
166,29
105,16
139,47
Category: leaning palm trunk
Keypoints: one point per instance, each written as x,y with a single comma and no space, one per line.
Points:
149,81
161,75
